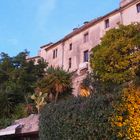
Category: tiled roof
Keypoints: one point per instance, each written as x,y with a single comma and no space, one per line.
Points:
30,124
22,126
9,130
31,58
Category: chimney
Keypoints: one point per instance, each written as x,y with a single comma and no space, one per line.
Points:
86,22
124,2
74,29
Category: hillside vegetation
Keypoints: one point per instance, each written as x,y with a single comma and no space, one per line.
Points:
112,111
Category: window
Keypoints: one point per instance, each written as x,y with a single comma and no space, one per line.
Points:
106,23
70,47
86,37
69,63
54,53
138,8
86,56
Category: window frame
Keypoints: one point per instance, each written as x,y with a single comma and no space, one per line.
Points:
86,56
70,62
138,7
55,53
86,37
107,23
70,46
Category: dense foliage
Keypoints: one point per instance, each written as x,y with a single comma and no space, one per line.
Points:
18,79
108,116
78,118
117,58
112,112
126,116
57,83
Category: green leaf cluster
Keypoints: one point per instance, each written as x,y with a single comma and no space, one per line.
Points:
117,57
18,79
125,120
57,83
77,118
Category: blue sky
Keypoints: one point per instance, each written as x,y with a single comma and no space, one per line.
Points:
29,24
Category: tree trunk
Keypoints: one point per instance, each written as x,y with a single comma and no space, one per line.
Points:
56,96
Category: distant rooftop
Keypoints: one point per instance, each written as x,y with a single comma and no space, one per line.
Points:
22,126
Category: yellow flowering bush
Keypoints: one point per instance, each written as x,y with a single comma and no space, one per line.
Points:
126,118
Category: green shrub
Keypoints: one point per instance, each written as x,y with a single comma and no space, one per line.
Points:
77,119
4,122
117,57
19,112
99,117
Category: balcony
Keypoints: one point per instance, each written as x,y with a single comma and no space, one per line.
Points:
83,65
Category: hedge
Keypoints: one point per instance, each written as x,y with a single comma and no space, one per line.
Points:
77,119
108,116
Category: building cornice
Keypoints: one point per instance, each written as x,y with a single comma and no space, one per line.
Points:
91,23
49,44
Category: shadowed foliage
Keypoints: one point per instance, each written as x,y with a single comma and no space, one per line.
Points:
18,79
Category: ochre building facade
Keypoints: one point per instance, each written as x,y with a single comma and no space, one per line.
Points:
73,51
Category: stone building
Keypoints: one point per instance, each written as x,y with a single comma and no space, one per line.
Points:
72,52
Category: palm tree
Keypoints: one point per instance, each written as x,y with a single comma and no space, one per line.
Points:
56,82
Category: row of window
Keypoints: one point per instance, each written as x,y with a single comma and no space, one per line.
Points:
70,46
85,39
86,35
107,24
85,59
55,51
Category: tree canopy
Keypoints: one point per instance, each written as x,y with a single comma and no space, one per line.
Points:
18,79
57,83
117,57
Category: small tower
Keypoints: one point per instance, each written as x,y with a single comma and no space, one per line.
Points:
124,2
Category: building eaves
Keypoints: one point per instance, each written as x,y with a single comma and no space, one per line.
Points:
82,28
89,24
46,45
